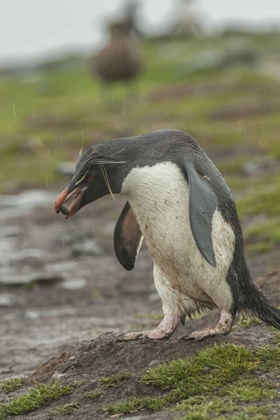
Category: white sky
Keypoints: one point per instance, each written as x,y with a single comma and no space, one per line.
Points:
31,29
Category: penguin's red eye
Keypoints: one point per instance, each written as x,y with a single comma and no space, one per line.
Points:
90,178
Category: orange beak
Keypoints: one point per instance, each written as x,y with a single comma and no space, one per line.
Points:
64,196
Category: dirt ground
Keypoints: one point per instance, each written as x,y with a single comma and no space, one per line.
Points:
71,289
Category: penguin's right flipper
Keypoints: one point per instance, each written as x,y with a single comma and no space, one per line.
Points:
202,205
127,238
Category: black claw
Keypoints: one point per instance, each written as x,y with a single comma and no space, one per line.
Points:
183,320
140,336
185,337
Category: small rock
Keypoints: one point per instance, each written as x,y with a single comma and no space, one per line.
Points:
28,253
6,299
9,231
253,167
136,418
63,266
19,204
87,247
153,363
49,313
73,284
57,375
20,279
28,199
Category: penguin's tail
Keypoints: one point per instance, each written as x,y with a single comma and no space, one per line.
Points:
256,302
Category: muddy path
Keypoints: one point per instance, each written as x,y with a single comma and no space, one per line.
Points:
61,283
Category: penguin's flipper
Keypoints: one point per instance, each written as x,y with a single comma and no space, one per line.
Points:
127,238
202,205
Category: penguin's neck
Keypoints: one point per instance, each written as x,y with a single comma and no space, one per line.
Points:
152,186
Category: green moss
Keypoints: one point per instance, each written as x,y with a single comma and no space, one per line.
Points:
269,357
114,380
276,334
200,408
39,395
94,394
135,404
261,247
65,409
235,183
264,236
11,385
212,382
263,200
224,363
246,323
250,390
232,166
257,409
251,411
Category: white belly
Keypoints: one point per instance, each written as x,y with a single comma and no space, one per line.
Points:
159,197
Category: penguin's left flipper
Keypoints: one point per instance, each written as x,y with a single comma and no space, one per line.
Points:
202,205
127,238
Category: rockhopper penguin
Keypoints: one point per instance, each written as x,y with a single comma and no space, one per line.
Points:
179,202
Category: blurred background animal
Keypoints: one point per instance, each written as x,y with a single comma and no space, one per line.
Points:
120,59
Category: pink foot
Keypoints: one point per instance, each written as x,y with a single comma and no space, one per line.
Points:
164,330
223,327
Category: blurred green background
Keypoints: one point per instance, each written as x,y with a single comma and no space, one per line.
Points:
224,91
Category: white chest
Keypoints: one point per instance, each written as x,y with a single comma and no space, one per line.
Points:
159,197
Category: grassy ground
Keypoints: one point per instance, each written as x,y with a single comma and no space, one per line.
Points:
218,380
231,109
221,381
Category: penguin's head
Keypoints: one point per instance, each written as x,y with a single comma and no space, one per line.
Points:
95,176
101,169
